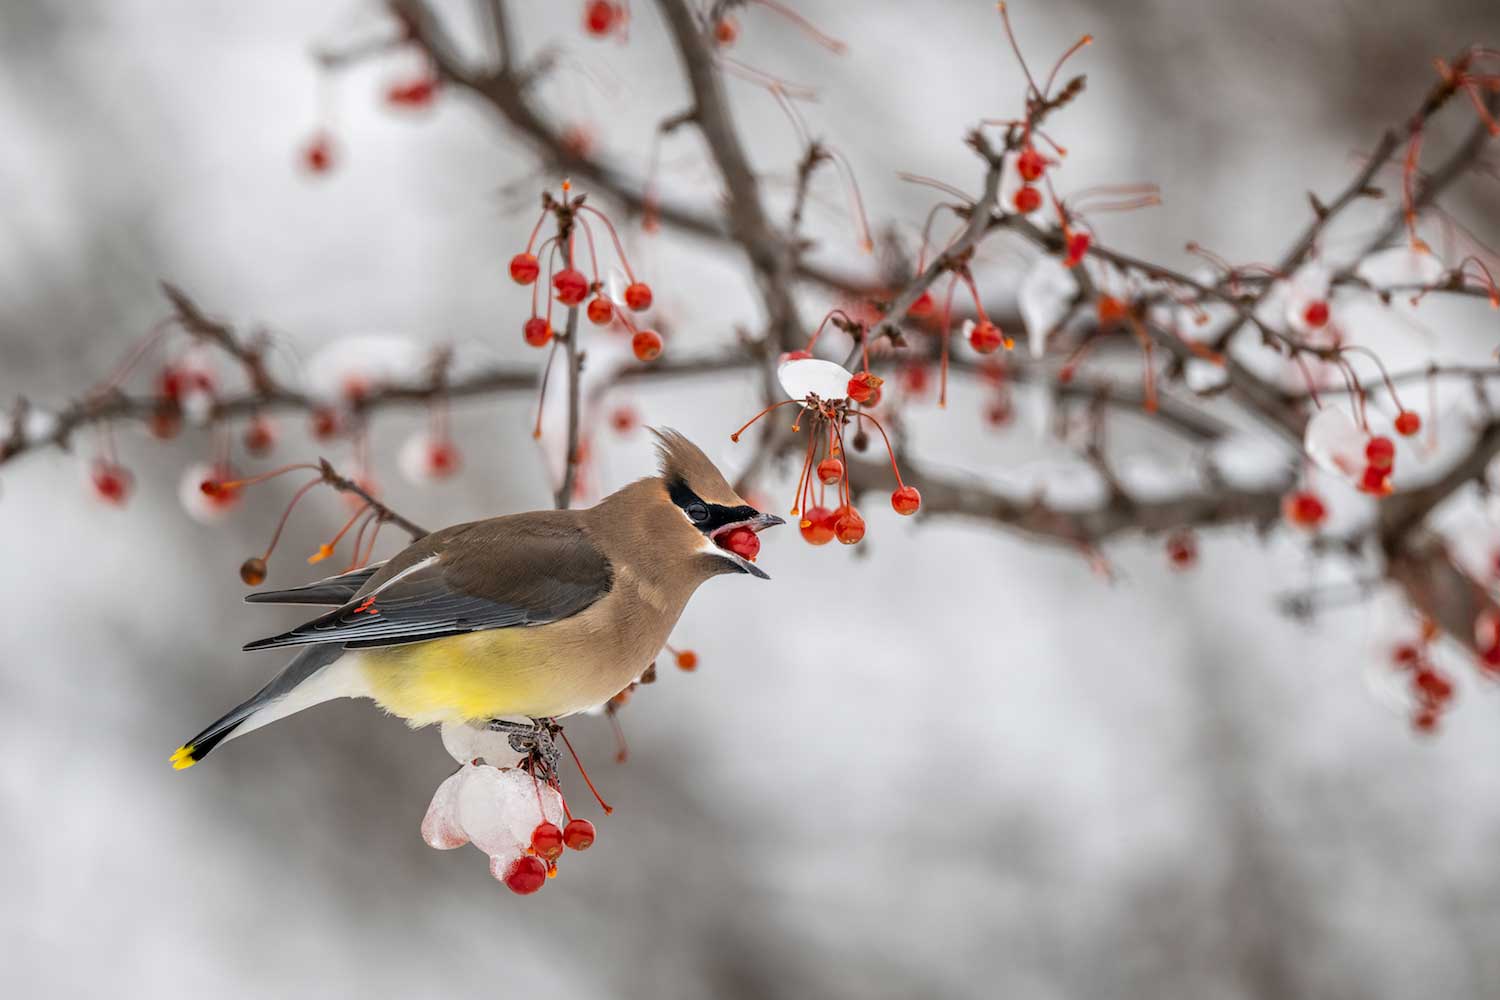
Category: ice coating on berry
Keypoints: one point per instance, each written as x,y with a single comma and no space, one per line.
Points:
440,827
803,377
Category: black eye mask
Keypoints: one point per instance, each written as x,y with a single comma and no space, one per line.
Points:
706,517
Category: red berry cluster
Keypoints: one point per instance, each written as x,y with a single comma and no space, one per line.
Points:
1431,689
530,871
570,286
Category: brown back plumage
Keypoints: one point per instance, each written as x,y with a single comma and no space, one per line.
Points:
680,458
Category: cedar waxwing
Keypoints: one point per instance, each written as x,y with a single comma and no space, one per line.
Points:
541,614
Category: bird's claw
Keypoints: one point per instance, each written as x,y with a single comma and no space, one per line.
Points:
535,741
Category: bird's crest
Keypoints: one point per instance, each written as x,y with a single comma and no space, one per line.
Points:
680,459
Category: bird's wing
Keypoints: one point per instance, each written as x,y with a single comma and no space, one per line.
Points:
526,569
333,590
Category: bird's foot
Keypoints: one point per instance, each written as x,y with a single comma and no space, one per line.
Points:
536,741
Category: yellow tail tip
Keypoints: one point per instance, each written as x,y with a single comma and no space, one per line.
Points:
182,758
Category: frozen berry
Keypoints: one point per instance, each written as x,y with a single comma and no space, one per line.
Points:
525,875
547,841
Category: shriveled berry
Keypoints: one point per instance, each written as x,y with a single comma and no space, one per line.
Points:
638,296
526,875
253,571
570,285
1028,199
830,471
524,268
537,331
547,841
1380,452
848,526
864,386
1304,509
906,500
742,541
578,835
1030,164
986,338
1408,423
601,310
817,525
646,345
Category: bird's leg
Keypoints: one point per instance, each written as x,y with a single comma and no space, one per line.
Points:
535,741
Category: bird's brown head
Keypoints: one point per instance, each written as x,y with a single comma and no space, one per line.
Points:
725,523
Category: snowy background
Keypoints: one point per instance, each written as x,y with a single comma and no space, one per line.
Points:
954,763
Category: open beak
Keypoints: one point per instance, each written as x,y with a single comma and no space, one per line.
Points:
757,524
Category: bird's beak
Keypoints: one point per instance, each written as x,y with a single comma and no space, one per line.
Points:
758,523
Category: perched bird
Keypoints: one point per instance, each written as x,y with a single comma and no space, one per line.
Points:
541,614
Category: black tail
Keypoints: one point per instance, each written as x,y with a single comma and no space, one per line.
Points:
306,663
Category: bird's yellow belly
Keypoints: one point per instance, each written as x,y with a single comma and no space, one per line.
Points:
496,673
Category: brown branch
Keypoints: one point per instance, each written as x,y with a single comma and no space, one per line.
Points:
574,358
345,485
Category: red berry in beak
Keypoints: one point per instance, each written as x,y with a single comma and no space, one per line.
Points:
547,841
570,285
524,268
578,834
906,500
817,525
742,542
638,296
646,345
537,331
525,875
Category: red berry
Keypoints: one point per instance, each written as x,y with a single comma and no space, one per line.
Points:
526,875
923,306
253,571
600,310
112,482
638,296
1380,452
726,30
601,16
570,285
1030,164
1433,686
260,436
412,94
986,338
1078,245
1028,199
524,268
848,526
623,420
1376,481
742,541
537,331
1316,314
830,471
646,345
165,422
793,356
443,459
1406,655
1425,720
547,841
1408,423
325,423
817,525
1304,508
317,155
864,387
1182,550
578,835
1110,310
906,500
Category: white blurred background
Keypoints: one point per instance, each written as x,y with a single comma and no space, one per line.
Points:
952,763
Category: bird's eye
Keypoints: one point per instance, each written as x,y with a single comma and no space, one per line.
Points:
698,512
